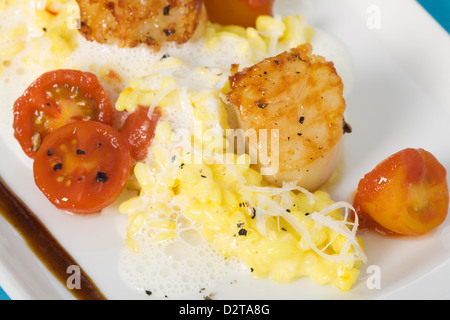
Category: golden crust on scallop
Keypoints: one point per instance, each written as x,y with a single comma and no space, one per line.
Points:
300,95
129,23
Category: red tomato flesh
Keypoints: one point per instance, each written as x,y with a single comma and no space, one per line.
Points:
55,99
405,194
139,130
83,166
238,12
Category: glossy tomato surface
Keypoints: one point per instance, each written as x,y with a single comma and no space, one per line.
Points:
55,99
405,194
83,166
139,130
238,12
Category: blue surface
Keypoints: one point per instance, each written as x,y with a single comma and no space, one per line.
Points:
3,295
439,9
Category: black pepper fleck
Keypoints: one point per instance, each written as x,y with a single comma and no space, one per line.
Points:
101,177
166,10
242,232
168,32
110,5
347,127
58,167
262,105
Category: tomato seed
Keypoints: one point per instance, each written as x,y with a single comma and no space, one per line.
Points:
36,141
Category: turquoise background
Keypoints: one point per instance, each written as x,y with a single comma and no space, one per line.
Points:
439,9
3,295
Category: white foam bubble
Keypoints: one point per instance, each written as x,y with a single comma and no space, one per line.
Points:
181,266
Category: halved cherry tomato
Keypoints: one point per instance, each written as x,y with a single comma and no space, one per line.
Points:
57,98
83,166
139,130
405,194
238,12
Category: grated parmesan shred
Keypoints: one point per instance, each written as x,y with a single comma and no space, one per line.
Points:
162,93
267,206
274,202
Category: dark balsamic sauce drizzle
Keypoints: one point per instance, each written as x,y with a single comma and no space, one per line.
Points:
44,245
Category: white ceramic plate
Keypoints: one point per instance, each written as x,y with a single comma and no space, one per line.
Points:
399,99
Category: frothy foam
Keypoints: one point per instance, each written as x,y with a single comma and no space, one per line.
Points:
182,266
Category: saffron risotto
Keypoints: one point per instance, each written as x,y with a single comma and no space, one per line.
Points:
193,188
282,233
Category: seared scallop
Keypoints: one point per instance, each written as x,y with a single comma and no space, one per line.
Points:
129,23
298,97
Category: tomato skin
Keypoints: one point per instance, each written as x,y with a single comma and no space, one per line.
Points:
54,99
139,130
405,194
83,166
238,12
